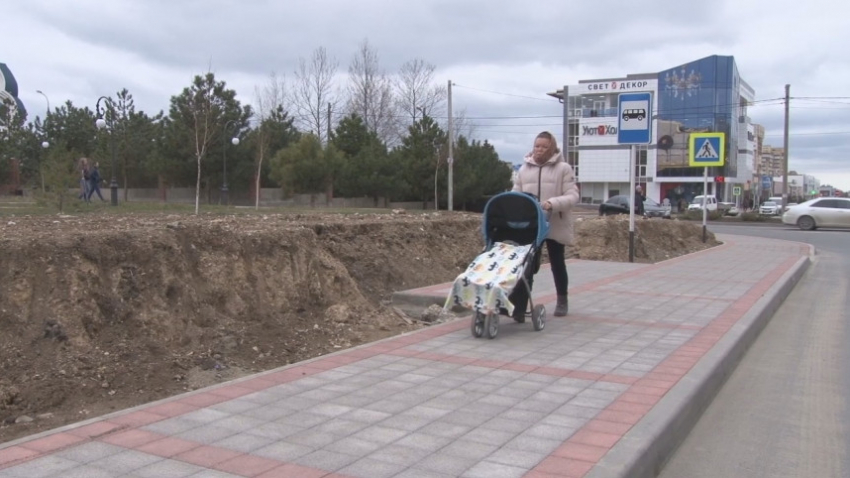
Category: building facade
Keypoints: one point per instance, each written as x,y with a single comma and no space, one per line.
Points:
706,95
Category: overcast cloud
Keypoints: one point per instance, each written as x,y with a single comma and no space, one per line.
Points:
504,55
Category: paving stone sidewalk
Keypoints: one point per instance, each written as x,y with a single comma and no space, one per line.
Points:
605,391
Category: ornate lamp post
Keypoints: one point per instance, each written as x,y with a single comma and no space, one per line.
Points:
101,124
235,142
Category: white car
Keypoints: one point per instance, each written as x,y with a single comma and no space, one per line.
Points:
820,212
769,208
697,203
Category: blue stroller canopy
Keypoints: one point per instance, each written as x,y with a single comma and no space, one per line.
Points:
514,216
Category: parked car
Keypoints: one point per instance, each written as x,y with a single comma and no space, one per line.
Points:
620,205
769,208
820,212
711,204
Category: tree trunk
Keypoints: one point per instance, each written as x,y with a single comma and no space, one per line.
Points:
163,193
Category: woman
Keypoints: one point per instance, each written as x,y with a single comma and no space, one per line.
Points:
546,175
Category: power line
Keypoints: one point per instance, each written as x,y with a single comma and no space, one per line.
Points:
549,100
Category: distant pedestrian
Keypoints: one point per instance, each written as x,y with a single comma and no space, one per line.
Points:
639,199
85,176
94,182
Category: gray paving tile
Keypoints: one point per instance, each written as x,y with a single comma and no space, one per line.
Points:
552,432
329,410
399,455
283,451
84,471
213,474
244,442
171,426
274,430
468,449
340,427
506,425
169,469
445,429
49,465
490,437
517,458
303,419
235,406
206,434
488,469
369,468
366,416
423,441
381,434
312,438
447,464
88,452
268,412
204,416
353,446
353,400
326,460
526,442
240,423
125,462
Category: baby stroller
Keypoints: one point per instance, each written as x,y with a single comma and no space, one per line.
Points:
514,228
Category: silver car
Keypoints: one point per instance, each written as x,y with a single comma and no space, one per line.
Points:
820,212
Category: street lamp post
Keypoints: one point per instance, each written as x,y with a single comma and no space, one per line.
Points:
235,142
101,124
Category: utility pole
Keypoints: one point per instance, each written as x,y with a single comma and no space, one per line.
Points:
451,151
566,138
329,122
785,145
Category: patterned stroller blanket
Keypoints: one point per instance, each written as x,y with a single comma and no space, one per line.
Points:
485,285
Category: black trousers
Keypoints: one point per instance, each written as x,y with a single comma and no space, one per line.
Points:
519,296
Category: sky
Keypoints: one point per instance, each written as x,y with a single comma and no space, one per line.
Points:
502,56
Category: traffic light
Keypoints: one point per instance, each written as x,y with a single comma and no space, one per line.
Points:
719,179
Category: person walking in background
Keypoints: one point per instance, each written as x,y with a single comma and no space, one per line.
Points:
85,175
547,175
94,182
639,199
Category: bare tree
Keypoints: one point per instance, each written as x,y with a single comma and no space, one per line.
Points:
416,93
205,108
268,99
313,91
370,94
462,125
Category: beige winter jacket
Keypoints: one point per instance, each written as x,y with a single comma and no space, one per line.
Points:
553,181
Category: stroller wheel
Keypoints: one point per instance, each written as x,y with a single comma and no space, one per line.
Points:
477,325
491,326
538,317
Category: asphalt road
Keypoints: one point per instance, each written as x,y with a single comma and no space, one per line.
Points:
783,412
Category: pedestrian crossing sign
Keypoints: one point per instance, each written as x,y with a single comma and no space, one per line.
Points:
707,149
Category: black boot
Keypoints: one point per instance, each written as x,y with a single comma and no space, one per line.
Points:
562,306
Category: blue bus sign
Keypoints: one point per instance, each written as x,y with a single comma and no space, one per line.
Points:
634,118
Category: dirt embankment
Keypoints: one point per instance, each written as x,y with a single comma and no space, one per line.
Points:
99,313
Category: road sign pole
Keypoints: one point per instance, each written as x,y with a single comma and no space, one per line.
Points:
634,127
632,157
704,204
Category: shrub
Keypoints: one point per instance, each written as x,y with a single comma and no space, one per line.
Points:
753,217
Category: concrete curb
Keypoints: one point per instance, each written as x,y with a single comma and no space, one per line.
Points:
644,450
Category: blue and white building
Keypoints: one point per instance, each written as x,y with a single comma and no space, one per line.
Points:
706,95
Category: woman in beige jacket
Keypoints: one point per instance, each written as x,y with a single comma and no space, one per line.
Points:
547,176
